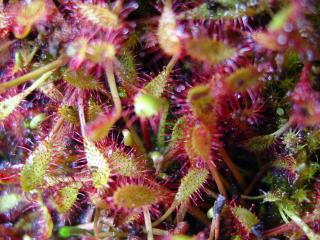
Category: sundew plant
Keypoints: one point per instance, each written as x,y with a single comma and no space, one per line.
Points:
160,119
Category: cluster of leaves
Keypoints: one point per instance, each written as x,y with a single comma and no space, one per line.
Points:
128,119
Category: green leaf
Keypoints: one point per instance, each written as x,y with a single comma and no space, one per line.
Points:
36,166
209,50
178,130
37,120
127,70
97,163
280,18
191,183
243,78
201,102
246,218
125,164
82,80
94,110
69,114
157,85
259,143
65,197
162,124
132,196
167,31
201,142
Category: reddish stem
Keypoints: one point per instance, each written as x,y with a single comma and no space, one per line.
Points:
198,214
215,228
256,179
279,230
145,133
304,77
232,167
